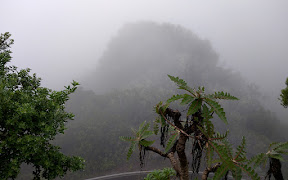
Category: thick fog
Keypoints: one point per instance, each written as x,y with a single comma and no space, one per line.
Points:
62,40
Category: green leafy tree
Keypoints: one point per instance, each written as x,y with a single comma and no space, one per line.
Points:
284,95
30,118
197,125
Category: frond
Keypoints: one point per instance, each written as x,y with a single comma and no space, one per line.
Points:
209,127
126,138
237,173
206,112
194,107
156,125
241,153
219,136
177,80
217,109
131,150
251,173
276,156
222,95
171,142
225,154
146,143
142,125
187,99
181,84
221,149
143,128
281,147
258,160
160,107
146,134
175,98
228,148
134,131
273,144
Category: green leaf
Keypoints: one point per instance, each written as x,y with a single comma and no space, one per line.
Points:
159,108
194,107
221,137
206,112
276,156
250,171
222,149
228,148
171,142
222,95
217,109
241,153
237,174
146,143
209,127
146,134
175,98
177,80
131,150
283,146
126,138
258,160
156,125
143,126
187,99
182,84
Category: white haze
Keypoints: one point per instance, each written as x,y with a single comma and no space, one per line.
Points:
60,40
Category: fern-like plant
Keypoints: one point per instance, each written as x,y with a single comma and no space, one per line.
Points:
274,156
174,131
139,140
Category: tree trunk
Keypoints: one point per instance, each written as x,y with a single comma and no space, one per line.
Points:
275,169
174,163
180,148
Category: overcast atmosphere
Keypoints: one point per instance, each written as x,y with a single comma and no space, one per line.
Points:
120,51
63,40
59,40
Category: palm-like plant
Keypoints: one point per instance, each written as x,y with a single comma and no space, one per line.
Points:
274,155
139,139
197,126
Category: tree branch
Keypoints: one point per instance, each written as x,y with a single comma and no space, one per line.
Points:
156,150
210,169
169,155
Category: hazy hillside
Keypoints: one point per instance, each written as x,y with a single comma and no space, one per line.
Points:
132,77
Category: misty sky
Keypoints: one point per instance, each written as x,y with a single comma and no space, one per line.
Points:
60,40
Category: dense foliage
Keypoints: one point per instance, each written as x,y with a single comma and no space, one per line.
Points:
164,174
30,117
284,95
197,126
